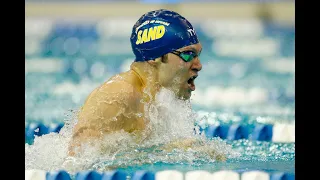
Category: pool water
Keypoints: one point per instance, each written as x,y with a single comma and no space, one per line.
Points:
265,156
238,166
247,79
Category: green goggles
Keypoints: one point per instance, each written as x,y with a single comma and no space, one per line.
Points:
186,56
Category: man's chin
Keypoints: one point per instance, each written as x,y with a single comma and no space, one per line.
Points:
185,96
182,95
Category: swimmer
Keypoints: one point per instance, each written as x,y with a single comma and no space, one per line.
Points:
167,50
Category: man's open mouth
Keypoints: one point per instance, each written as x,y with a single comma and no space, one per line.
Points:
191,82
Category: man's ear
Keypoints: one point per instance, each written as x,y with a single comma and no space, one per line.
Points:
164,58
154,62
159,60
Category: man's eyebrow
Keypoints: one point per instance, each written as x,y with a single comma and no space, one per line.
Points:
192,49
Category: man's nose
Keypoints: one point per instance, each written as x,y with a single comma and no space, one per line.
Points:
196,65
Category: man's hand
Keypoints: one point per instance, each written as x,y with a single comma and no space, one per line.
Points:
196,145
180,144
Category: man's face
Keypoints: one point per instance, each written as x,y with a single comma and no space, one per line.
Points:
178,75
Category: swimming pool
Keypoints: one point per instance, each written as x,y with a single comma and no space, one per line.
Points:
245,92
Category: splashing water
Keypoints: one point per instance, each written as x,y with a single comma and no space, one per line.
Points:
171,120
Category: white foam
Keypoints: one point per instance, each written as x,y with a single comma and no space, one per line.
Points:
170,120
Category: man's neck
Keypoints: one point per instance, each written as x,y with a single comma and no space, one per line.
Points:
148,77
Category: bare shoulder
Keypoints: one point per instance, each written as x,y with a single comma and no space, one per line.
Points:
112,98
119,88
110,107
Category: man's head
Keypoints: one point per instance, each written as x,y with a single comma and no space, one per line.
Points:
168,41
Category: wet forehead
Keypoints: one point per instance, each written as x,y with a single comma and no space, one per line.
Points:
194,47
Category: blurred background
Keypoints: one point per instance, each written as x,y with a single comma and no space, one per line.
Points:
248,54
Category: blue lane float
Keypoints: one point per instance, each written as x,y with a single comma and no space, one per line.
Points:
114,175
55,127
282,176
143,175
88,175
160,175
58,175
259,132
238,131
256,132
262,132
34,129
217,131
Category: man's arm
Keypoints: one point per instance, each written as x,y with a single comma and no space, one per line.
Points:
197,145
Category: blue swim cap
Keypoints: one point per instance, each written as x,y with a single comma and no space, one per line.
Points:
159,32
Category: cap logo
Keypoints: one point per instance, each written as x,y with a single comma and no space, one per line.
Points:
151,22
191,32
150,34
